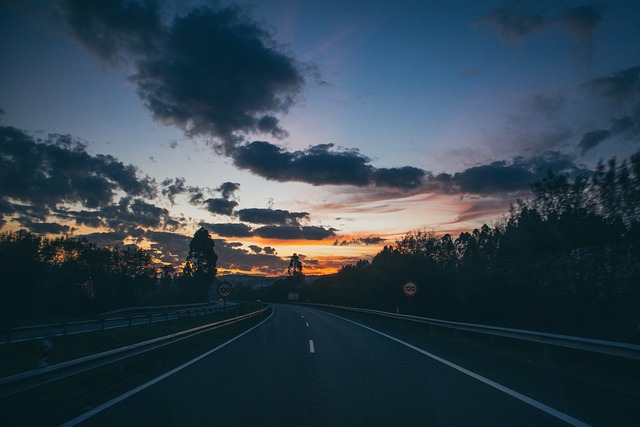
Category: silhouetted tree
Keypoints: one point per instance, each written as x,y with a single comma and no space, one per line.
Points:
201,263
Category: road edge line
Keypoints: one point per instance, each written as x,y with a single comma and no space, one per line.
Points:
523,398
83,417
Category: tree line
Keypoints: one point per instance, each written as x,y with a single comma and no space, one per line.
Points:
45,278
566,261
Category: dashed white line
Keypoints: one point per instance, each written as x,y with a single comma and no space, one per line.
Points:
312,348
307,324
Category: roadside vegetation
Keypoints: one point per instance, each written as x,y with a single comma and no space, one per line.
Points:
566,261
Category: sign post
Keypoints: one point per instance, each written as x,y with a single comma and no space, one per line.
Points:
410,289
224,290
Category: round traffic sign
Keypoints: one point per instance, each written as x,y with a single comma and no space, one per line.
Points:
224,290
410,289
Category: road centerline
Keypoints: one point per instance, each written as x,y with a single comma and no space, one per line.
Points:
312,348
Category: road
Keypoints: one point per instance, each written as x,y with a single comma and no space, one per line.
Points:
305,367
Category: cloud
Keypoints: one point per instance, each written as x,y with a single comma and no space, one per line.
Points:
135,211
229,229
293,232
40,177
578,23
220,206
592,139
512,22
620,87
228,189
45,227
278,232
271,216
629,125
321,164
503,176
622,90
209,71
359,241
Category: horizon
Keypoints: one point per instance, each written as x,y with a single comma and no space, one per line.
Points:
329,130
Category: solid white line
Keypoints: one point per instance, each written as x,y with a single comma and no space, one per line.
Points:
312,348
529,401
148,384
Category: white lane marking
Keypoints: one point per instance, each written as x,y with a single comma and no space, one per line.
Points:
307,324
148,384
312,348
526,399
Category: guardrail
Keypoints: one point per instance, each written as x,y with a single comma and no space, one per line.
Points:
37,377
33,332
611,348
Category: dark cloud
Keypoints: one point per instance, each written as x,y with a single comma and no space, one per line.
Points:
208,71
40,177
622,90
229,230
513,22
359,241
321,165
502,176
255,249
578,23
136,212
592,139
269,250
218,206
45,227
271,216
621,87
228,189
279,232
171,248
173,187
292,232
628,126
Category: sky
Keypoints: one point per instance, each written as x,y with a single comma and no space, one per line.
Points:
328,129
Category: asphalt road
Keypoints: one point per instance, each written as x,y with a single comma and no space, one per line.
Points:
305,367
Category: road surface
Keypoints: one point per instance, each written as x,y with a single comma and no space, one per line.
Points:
306,367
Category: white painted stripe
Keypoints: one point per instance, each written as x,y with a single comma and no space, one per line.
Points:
307,324
312,348
529,401
148,384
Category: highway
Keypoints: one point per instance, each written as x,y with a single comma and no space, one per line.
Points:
306,367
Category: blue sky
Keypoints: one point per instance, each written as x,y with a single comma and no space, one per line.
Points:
324,128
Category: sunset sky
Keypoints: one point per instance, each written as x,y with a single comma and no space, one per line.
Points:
326,128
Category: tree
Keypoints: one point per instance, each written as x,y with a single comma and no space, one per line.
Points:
202,260
295,266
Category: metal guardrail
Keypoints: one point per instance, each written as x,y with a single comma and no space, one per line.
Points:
27,380
34,332
611,348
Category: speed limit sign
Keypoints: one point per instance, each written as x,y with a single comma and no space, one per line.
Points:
224,290
410,289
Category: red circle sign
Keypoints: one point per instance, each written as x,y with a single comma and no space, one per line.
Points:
224,290
410,289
